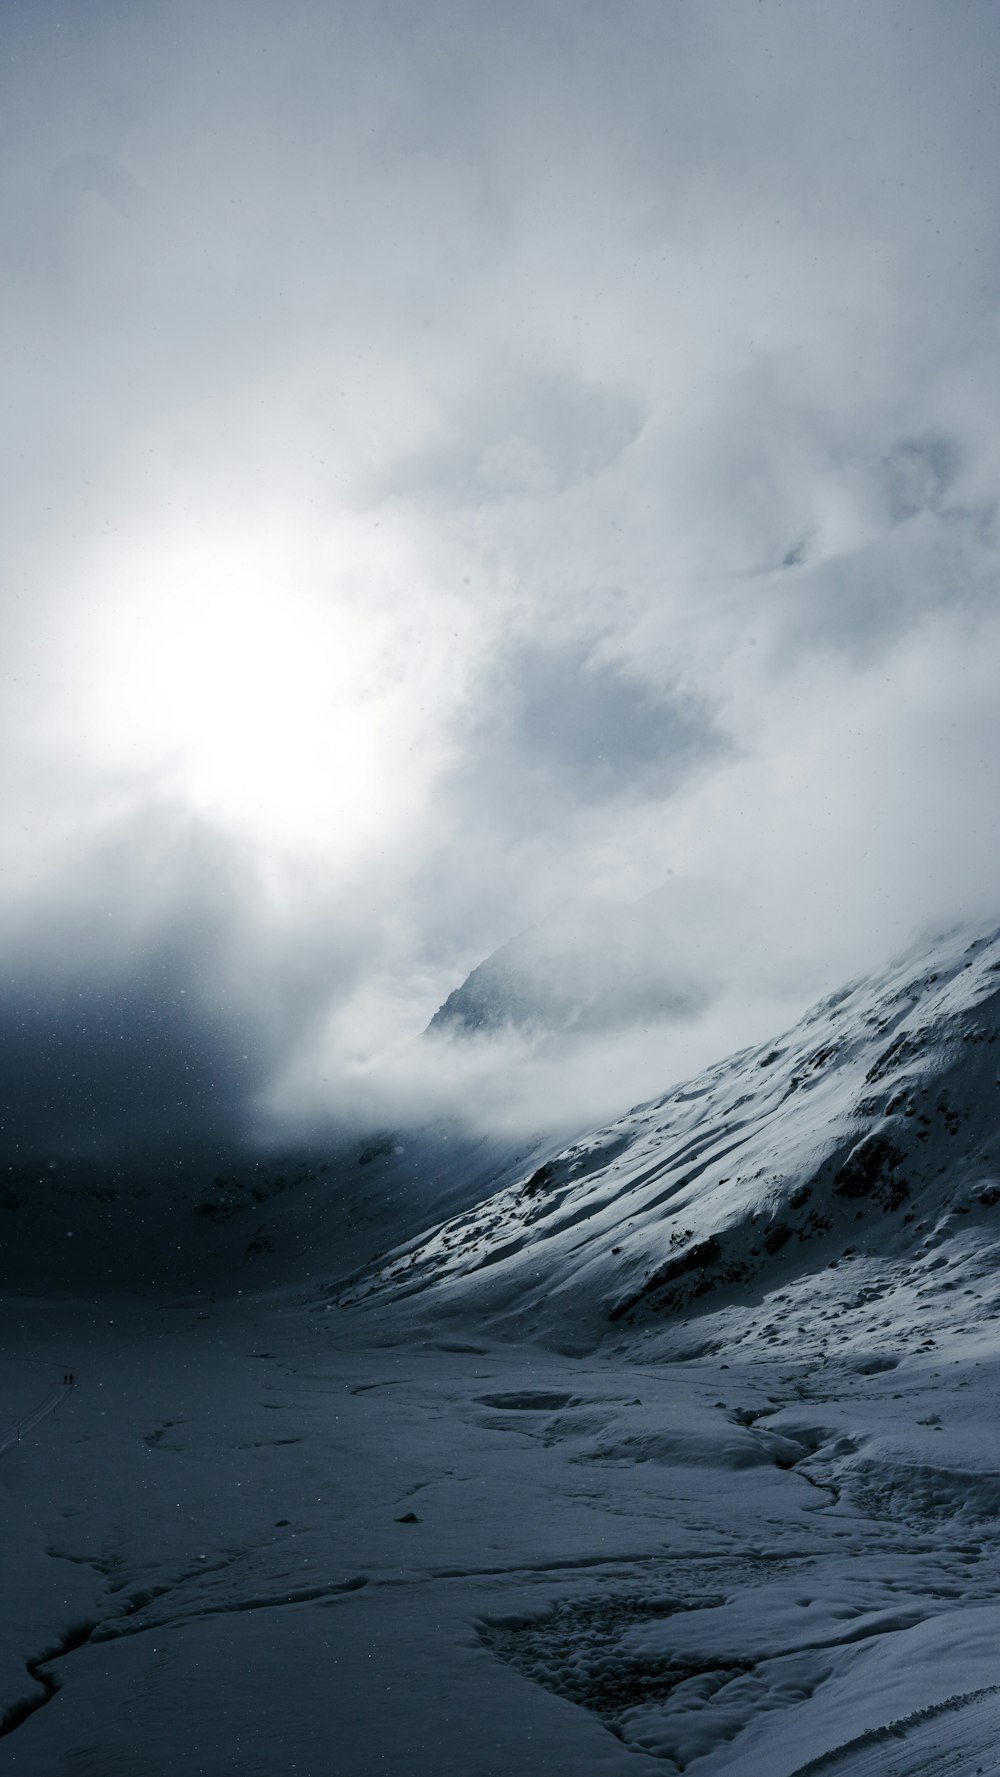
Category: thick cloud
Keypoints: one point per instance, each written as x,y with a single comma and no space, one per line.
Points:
110,1072
150,994
466,458
553,731
533,435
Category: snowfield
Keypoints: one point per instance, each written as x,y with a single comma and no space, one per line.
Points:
674,1450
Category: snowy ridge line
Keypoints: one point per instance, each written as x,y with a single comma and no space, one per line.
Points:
893,1730
22,1426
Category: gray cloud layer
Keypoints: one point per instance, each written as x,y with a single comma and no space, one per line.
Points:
463,458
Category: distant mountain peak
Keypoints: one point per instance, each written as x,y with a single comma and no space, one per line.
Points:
592,965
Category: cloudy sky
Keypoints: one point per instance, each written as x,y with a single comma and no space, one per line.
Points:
463,458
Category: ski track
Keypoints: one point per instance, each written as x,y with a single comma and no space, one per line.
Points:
22,1426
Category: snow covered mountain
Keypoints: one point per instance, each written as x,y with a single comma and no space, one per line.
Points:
595,965
870,1128
671,1450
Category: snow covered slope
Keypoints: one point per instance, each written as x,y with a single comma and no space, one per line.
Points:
870,1129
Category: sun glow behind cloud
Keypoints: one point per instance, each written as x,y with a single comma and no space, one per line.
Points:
463,461
257,676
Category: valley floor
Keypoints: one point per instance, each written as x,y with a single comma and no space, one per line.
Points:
255,1539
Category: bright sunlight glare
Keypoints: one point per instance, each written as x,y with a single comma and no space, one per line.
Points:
258,679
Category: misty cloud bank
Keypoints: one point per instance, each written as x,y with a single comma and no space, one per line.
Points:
466,460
